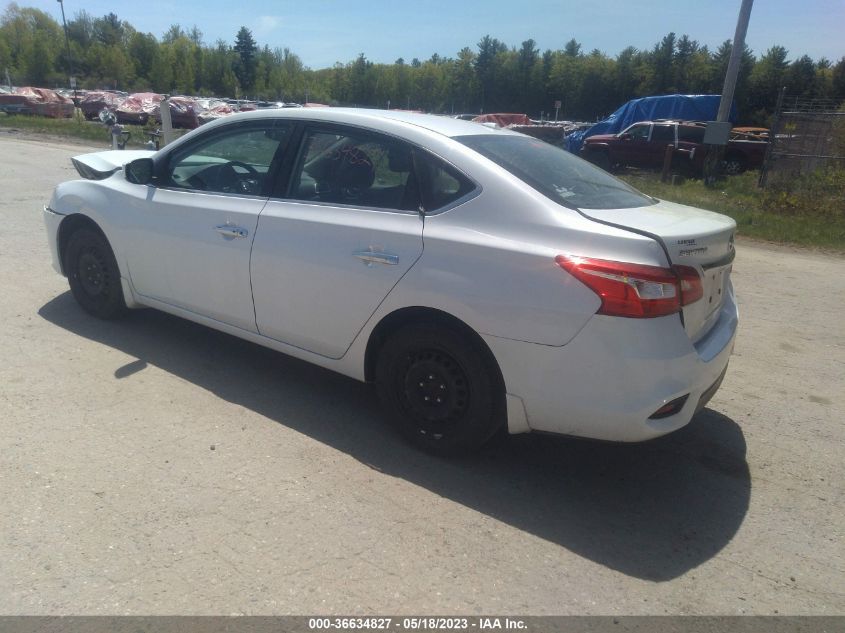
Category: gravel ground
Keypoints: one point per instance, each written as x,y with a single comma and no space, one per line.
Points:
153,466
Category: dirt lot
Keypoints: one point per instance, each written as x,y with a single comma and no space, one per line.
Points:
152,466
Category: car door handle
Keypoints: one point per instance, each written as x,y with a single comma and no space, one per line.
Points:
370,258
227,230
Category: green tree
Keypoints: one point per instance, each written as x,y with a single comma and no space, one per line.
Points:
246,62
765,82
685,52
719,63
838,80
572,48
142,50
108,30
486,69
625,75
800,78
663,74
162,74
81,29
526,80
174,33
31,40
38,62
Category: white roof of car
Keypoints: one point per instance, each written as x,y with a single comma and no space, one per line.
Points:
444,125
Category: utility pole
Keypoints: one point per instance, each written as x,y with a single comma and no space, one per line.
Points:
71,78
715,153
737,49
67,42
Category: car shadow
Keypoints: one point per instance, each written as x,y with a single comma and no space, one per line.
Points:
653,510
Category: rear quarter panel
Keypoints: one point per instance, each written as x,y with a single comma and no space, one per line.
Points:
491,262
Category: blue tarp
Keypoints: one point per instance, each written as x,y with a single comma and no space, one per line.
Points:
682,107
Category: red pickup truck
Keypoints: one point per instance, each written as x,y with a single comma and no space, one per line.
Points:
644,145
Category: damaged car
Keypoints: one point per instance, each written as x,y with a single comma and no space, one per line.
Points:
481,279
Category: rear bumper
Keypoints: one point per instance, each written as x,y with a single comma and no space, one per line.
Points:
608,381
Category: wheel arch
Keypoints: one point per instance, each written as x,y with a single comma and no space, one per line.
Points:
70,224
401,317
600,154
592,148
738,153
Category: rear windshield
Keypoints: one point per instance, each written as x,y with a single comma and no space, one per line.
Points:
555,173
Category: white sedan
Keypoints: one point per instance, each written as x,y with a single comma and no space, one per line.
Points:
482,279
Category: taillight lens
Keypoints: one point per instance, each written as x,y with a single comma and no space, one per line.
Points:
691,288
635,290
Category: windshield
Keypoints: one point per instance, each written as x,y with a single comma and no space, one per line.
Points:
555,173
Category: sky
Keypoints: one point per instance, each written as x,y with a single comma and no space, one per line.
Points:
323,32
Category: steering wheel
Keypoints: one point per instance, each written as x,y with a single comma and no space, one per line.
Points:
246,166
229,179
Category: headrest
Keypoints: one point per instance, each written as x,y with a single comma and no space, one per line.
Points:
354,168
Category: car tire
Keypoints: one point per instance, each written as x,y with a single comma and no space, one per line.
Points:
733,165
93,274
440,388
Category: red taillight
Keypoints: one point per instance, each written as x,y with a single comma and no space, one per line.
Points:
635,290
691,288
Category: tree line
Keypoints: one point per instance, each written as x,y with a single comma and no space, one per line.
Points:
107,52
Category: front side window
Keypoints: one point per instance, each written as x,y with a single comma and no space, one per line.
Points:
236,161
638,132
355,168
557,174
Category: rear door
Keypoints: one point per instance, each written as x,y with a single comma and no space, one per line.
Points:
691,144
343,231
661,136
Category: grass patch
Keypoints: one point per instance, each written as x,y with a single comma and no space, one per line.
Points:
810,211
77,128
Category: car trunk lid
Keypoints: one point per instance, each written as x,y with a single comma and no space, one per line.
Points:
690,237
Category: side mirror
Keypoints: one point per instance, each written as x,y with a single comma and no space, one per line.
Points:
139,171
625,136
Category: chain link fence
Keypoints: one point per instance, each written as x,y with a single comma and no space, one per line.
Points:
807,135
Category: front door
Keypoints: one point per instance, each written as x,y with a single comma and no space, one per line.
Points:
633,146
195,227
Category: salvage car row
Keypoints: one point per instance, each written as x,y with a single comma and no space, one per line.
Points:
137,108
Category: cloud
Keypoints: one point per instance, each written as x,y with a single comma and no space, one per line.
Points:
268,23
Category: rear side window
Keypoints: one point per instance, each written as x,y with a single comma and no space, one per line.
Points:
441,184
663,134
355,168
557,174
691,134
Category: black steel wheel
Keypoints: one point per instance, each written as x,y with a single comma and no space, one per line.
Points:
440,388
733,165
93,274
